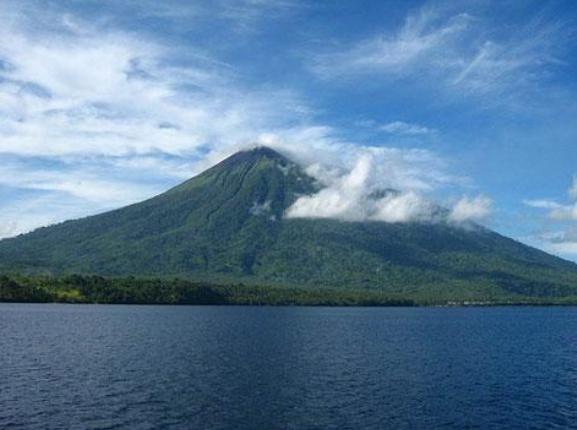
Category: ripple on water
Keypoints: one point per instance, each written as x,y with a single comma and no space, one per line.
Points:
147,367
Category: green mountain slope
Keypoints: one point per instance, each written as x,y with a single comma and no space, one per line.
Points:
227,224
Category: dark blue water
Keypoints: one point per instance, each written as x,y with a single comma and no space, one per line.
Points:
147,367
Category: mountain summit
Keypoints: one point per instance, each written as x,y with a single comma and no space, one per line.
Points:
227,224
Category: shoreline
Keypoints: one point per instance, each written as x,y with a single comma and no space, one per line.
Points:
93,289
301,305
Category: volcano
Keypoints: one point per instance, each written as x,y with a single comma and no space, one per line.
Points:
228,224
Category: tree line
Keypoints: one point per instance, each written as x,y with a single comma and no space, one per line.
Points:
132,290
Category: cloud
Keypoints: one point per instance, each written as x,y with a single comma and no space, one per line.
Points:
243,17
258,209
418,43
130,113
560,242
405,207
562,217
567,212
388,185
573,189
558,211
471,209
351,205
564,213
459,52
27,213
245,14
404,128
349,199
563,248
542,204
8,229
108,92
85,182
40,191
97,116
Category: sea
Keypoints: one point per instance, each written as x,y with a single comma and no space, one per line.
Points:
204,367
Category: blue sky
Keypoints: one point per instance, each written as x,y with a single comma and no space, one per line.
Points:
471,104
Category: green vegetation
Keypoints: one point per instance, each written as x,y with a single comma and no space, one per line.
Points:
131,290
96,289
226,227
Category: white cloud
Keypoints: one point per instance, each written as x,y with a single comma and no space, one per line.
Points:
564,213
458,52
563,240
127,111
560,242
405,207
258,209
108,92
242,16
246,13
419,42
8,229
127,116
380,184
563,248
83,183
41,192
542,204
557,211
573,189
404,128
471,209
26,214
344,199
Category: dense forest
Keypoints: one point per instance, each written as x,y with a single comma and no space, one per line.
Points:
131,290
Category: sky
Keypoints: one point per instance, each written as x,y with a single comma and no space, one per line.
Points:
471,105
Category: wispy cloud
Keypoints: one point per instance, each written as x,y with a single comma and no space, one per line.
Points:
406,129
99,116
86,183
246,14
560,242
573,189
460,52
559,211
416,45
83,89
542,204
562,219
104,100
56,102
242,17
564,213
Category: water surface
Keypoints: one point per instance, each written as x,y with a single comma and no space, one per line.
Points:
168,367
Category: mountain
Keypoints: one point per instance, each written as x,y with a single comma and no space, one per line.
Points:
227,225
